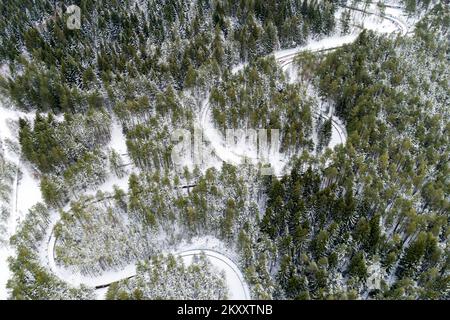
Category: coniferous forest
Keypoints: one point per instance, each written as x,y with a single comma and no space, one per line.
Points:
95,202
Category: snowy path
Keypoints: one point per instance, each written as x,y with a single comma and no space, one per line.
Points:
235,279
27,192
238,289
242,151
25,189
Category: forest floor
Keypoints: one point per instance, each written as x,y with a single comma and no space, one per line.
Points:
26,191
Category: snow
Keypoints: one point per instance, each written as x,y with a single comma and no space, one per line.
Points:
118,140
48,259
118,143
240,152
237,68
100,294
108,185
4,70
26,191
222,258
237,288
338,133
4,272
317,45
393,19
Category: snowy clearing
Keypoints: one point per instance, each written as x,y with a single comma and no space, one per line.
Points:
236,155
238,289
26,191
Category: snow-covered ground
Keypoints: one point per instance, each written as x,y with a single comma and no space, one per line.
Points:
233,154
371,18
26,191
237,288
241,151
117,143
220,256
391,21
118,140
288,55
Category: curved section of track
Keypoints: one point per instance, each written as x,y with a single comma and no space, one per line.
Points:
230,155
400,25
239,287
285,59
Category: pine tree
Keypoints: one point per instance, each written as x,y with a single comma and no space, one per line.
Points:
357,267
